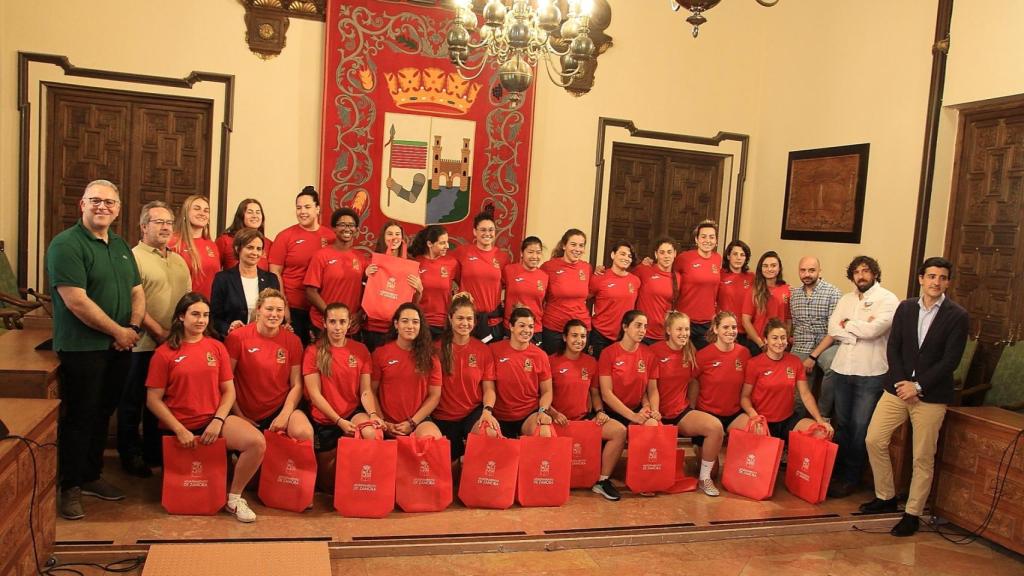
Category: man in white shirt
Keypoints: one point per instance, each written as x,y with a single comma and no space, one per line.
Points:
860,323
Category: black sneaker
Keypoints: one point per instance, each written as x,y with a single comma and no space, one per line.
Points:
879,506
71,504
840,489
103,490
136,466
605,488
907,526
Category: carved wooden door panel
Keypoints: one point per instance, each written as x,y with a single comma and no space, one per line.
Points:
694,194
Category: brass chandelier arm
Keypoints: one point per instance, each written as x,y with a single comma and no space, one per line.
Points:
563,80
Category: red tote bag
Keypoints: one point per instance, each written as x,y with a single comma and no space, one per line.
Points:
424,479
545,468
752,461
387,289
682,483
195,479
364,482
651,458
288,473
489,470
586,452
811,458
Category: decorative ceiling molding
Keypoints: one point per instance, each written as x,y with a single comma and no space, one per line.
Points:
266,22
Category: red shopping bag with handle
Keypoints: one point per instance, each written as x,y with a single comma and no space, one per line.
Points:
364,482
423,482
545,467
752,461
682,482
489,470
651,458
586,451
288,472
195,479
811,458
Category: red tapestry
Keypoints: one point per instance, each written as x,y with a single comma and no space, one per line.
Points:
406,138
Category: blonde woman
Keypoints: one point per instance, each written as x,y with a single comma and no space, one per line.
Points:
193,242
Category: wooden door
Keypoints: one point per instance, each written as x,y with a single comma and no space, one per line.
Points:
153,147
658,192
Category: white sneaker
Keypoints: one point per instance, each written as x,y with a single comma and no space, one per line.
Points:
240,508
707,486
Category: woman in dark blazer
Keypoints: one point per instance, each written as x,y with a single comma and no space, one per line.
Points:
236,290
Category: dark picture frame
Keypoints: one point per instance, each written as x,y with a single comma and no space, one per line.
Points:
825,190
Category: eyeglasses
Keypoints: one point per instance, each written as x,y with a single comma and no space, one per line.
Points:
97,202
162,222
344,225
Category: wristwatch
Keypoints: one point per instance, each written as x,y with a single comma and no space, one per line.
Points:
137,328
542,410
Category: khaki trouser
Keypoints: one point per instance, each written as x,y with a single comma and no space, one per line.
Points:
926,421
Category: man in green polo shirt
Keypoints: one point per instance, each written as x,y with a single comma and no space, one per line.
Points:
98,304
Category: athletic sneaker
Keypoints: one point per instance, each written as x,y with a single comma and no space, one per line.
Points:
605,488
103,490
241,510
71,504
707,486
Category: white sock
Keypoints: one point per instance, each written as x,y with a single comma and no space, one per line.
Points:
602,478
233,497
705,469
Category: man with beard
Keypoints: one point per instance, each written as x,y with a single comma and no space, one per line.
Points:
811,305
860,323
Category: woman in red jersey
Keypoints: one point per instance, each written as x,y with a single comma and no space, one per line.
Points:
467,378
522,378
391,242
628,375
437,274
614,292
568,288
576,396
526,284
291,253
720,371
267,363
249,214
769,299
770,383
699,276
192,241
190,390
659,285
479,273
676,359
335,273
737,286
406,379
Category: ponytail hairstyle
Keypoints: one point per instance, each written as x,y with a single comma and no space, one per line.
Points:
429,235
761,292
177,332
310,191
238,223
460,300
559,249
382,247
487,213
689,350
520,312
323,344
183,230
654,254
712,334
423,345
774,324
627,319
574,323
620,244
265,294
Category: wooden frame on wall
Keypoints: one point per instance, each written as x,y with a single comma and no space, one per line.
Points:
825,190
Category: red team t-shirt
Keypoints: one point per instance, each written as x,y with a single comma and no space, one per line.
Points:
517,376
774,382
437,277
629,372
734,291
777,306
226,247
655,298
190,377
721,377
338,275
480,275
572,381
341,388
673,379
525,288
568,289
293,248
614,295
263,368
209,262
698,284
401,389
461,392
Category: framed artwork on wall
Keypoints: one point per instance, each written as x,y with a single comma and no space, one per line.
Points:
825,190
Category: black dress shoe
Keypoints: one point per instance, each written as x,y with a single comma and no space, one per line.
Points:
136,466
840,489
879,506
907,526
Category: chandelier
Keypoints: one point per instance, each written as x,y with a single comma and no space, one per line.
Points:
697,9
516,34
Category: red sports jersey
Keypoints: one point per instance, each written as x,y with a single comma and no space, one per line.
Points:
517,378
699,278
461,391
191,378
655,297
568,289
263,368
401,389
226,247
733,293
774,383
629,371
674,376
721,379
209,262
293,248
437,276
479,273
338,274
572,381
341,388
613,295
776,307
525,288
